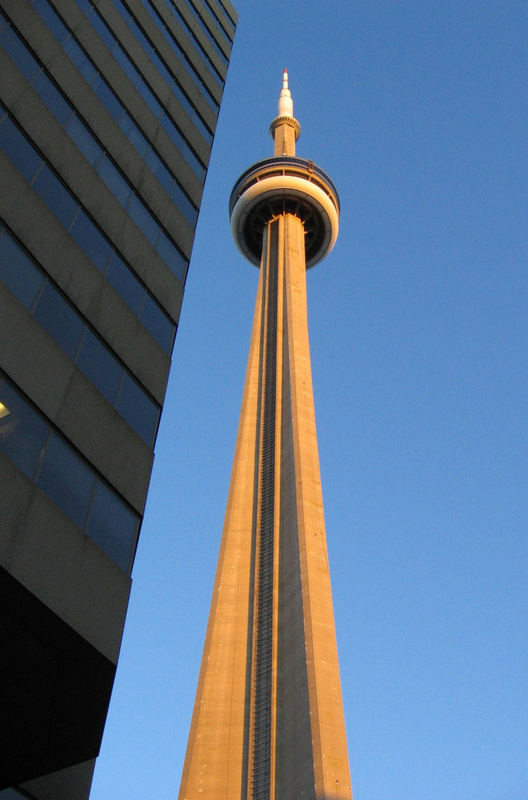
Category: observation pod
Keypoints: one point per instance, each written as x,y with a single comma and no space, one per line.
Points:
284,184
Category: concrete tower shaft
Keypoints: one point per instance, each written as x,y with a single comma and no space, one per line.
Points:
268,719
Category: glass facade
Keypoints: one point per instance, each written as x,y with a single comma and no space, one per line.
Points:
206,64
50,461
78,224
167,73
221,14
71,45
209,35
80,133
78,340
108,111
221,24
198,46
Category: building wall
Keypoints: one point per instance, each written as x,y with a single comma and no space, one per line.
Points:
107,116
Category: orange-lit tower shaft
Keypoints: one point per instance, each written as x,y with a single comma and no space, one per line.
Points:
268,718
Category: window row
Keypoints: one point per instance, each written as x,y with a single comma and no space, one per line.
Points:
113,45
223,17
52,464
198,46
220,24
63,204
65,114
164,70
71,46
128,66
73,335
184,59
205,29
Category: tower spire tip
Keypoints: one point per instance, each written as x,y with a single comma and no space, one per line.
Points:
284,141
285,98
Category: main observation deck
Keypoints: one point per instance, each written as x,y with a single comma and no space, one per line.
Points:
284,184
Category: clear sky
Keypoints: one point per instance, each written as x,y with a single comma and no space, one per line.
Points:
419,334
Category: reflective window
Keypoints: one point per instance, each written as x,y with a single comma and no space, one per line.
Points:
18,53
98,25
89,239
154,106
189,212
127,67
67,479
55,195
18,272
171,129
107,96
134,135
100,367
112,102
113,526
76,54
84,140
59,30
119,187
23,434
138,409
159,325
144,220
60,200
160,171
59,107
124,283
59,319
18,150
172,257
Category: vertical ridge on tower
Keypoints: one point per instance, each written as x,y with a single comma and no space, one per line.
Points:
268,719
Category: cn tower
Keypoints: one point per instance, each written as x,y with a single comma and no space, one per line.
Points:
268,716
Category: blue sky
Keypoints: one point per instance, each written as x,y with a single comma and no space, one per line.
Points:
418,327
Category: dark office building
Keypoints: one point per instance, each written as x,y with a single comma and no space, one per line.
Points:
107,115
